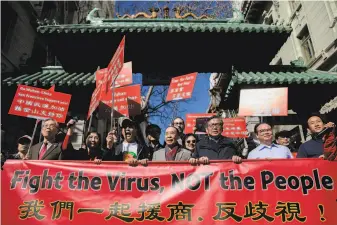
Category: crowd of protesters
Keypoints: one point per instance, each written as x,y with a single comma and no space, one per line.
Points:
196,149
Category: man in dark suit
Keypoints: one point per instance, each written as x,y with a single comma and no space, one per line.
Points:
49,148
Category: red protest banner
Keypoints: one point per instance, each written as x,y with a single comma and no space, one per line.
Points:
254,192
127,100
181,87
263,102
234,127
125,75
95,99
100,74
191,121
115,65
40,103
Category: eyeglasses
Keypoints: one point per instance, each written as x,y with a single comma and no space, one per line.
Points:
190,141
179,123
217,125
49,126
265,130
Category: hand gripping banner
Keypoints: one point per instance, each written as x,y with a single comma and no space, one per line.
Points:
253,192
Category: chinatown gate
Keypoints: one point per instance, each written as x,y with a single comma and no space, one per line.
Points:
164,48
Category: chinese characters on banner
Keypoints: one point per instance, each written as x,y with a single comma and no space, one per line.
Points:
191,121
115,65
124,77
40,103
263,102
234,127
181,87
254,192
127,100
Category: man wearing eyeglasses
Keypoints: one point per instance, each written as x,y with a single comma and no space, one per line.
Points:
267,149
49,148
180,125
214,146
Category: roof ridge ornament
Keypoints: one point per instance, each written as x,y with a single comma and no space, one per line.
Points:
299,62
154,14
92,19
238,17
178,11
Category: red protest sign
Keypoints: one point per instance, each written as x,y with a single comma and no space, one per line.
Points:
255,192
115,65
263,102
191,121
234,127
125,75
100,76
127,100
181,87
95,99
40,103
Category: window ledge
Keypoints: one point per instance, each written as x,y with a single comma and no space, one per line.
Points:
295,12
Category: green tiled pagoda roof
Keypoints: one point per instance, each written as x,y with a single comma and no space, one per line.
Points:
51,77
164,25
281,78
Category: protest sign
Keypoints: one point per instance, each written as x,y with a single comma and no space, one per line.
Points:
263,102
254,192
127,100
40,103
191,121
181,87
115,65
95,99
125,75
234,127
100,74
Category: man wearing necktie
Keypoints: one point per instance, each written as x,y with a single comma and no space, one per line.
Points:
49,148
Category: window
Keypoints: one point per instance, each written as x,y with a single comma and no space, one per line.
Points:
8,22
294,4
279,62
306,45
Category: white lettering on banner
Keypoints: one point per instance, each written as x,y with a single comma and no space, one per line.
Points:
17,108
37,104
44,113
188,94
58,115
46,93
181,89
183,94
20,101
27,109
35,111
29,103
51,114
21,94
46,106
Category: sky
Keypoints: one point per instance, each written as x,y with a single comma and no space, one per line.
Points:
197,104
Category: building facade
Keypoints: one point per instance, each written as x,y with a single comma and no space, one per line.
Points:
314,36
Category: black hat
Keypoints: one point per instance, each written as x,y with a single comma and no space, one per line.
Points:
127,121
24,139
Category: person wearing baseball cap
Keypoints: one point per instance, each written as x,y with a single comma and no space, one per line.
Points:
130,150
23,146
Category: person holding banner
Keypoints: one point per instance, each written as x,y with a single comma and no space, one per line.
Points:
111,144
190,142
130,150
172,151
92,150
267,149
318,128
49,148
214,146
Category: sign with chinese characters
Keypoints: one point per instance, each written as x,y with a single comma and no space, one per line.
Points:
264,102
127,100
181,87
254,192
191,121
100,74
234,127
95,99
124,77
40,103
115,65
